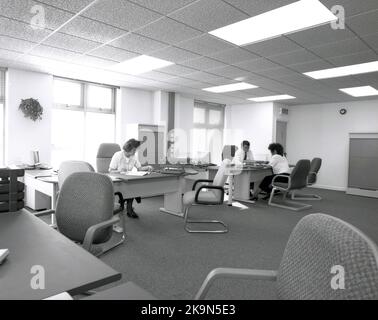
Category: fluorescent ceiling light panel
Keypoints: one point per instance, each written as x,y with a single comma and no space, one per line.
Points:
294,17
231,87
366,91
141,65
344,71
272,98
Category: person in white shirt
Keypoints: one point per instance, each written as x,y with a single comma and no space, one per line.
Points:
244,153
124,161
280,166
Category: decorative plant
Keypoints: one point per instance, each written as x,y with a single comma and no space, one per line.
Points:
31,108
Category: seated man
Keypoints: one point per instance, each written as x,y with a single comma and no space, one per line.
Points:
280,166
124,161
244,153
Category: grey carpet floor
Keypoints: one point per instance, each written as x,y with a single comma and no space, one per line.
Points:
160,256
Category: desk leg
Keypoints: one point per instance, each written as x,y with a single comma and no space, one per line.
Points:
230,190
242,187
54,198
173,204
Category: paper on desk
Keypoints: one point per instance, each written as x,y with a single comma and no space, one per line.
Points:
135,173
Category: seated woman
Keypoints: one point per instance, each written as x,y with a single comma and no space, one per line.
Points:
280,166
124,161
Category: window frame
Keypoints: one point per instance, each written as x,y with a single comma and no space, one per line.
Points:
84,97
86,110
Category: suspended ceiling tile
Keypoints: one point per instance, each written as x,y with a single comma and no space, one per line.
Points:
112,53
163,6
320,36
136,43
21,30
68,42
91,30
122,14
208,15
169,31
205,45
257,65
232,56
290,58
175,54
22,10
341,48
203,63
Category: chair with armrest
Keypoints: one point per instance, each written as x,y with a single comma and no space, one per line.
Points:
319,249
209,193
316,163
105,154
84,211
296,181
66,169
228,152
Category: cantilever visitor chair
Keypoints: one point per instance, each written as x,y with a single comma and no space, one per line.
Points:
316,164
208,193
319,249
296,181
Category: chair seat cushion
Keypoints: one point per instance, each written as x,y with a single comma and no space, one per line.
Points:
204,196
281,185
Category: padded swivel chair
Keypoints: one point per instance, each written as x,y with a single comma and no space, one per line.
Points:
209,194
316,163
296,181
105,154
69,167
318,245
228,152
82,215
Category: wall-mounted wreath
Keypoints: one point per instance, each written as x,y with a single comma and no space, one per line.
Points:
31,108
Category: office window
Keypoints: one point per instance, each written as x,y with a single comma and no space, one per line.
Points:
83,118
2,111
207,135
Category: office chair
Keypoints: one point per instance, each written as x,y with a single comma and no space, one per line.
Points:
84,211
296,181
316,163
228,152
209,194
105,154
67,168
319,249
11,190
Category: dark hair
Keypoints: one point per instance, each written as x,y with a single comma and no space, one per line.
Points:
131,144
276,147
246,143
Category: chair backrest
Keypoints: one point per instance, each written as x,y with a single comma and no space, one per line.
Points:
85,199
320,252
299,174
316,163
69,167
221,177
105,154
229,152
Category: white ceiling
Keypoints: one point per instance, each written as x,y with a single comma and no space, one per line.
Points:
82,38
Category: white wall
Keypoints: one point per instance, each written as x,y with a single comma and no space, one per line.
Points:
24,135
134,107
320,131
184,108
253,122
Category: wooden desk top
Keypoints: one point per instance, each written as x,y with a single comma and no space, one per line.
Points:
31,242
